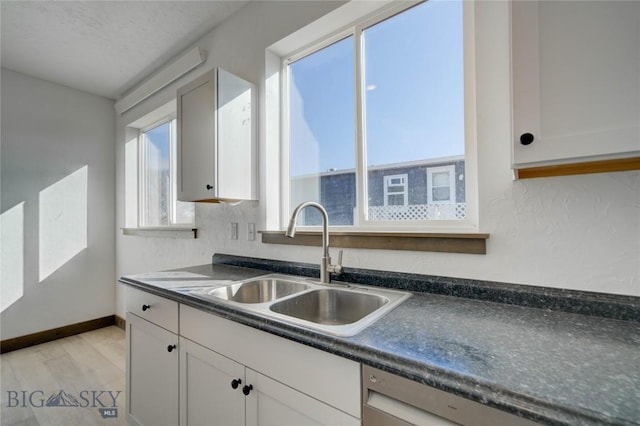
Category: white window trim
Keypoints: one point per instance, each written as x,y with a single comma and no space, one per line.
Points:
452,183
335,26
404,193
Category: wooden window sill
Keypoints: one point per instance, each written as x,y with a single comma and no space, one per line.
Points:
470,243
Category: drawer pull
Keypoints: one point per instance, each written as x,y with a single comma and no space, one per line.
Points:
247,390
145,307
235,383
170,348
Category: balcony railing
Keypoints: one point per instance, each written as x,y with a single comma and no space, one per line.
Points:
449,211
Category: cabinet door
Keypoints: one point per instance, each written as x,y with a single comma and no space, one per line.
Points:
196,139
272,403
207,396
152,373
576,89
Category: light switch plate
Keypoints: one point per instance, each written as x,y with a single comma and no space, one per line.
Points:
251,231
234,230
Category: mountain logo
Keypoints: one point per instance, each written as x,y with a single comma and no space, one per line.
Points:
62,399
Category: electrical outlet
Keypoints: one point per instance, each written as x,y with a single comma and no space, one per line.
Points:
234,230
251,231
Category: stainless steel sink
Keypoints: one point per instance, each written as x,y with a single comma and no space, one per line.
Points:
256,291
341,310
330,306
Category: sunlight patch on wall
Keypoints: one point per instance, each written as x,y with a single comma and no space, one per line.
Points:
63,221
11,255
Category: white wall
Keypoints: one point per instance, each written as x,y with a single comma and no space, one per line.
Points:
58,193
580,232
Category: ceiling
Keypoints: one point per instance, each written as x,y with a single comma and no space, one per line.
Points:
102,47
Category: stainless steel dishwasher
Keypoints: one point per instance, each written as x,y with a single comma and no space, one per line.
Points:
390,400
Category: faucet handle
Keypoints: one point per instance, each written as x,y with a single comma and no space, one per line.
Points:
337,268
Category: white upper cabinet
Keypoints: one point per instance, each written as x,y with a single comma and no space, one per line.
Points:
216,139
576,83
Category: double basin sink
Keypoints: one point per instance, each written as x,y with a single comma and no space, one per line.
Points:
341,310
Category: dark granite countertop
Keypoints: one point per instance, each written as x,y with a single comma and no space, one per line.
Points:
550,366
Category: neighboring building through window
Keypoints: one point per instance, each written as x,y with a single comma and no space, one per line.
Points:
409,185
379,125
158,205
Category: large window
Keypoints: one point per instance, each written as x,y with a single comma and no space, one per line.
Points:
369,109
157,184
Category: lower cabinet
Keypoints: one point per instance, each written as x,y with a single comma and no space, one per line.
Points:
218,372
285,382
273,403
215,390
152,373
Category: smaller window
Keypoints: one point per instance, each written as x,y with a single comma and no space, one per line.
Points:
441,187
158,183
395,190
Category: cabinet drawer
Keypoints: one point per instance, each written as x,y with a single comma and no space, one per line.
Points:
158,310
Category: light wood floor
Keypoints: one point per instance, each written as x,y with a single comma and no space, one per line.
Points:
78,365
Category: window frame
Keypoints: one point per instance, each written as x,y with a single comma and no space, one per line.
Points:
356,29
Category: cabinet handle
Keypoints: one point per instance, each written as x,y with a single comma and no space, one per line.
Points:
209,187
235,383
170,348
526,138
145,307
247,389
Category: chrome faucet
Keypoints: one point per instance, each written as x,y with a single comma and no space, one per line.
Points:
325,266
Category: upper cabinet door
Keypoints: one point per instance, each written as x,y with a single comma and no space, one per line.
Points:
216,139
575,80
196,139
